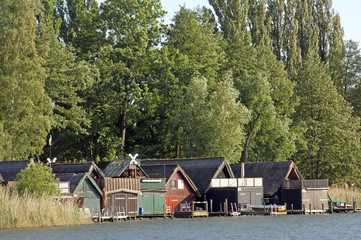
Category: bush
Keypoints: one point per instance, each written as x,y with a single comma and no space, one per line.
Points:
37,179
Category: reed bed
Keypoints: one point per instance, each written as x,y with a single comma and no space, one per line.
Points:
26,210
347,195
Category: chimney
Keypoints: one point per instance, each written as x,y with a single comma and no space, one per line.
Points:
242,169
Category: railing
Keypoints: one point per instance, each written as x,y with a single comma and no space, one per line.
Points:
236,182
304,184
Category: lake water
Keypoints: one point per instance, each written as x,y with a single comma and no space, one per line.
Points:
335,226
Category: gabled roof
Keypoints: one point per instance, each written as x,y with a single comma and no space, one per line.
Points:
76,180
200,170
117,166
167,171
273,173
9,169
76,168
103,164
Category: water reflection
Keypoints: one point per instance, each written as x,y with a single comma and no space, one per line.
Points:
336,226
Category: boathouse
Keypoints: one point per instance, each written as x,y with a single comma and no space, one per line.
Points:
9,169
180,189
235,194
152,200
306,195
120,196
273,174
124,168
200,170
121,187
83,189
78,168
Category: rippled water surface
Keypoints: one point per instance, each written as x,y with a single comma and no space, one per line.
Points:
336,226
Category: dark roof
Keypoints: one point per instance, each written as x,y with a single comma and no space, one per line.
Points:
160,171
76,179
273,173
9,169
200,170
76,168
166,171
117,166
102,165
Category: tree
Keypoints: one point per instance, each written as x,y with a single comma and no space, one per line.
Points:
352,66
201,47
25,108
212,123
132,32
37,179
336,59
79,26
331,137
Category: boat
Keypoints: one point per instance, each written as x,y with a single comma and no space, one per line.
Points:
271,209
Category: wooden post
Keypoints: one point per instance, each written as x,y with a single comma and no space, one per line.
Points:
226,207
310,208
354,207
291,207
323,208
304,209
345,207
331,207
264,207
211,205
192,209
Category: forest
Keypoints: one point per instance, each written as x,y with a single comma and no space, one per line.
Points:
251,80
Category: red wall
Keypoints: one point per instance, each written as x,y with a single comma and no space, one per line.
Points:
175,196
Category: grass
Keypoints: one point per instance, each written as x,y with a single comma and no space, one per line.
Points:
26,210
346,195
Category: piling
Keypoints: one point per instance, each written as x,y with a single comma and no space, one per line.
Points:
323,208
331,207
304,208
354,205
226,207
211,205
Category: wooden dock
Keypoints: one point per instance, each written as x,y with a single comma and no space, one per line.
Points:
194,211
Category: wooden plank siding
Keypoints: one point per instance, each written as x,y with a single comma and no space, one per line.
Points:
111,184
179,193
126,203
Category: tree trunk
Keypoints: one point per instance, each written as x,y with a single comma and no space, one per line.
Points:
248,140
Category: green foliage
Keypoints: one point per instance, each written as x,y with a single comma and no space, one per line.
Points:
37,179
25,108
332,134
212,122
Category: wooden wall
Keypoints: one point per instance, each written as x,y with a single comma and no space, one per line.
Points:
122,202
179,194
111,184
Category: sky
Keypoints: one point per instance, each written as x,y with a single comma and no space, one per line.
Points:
349,11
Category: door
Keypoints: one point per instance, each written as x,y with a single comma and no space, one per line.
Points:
172,202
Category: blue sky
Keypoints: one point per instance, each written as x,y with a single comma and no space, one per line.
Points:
349,10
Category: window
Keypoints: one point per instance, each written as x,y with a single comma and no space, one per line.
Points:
173,183
180,184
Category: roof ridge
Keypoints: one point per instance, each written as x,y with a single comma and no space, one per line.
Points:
177,159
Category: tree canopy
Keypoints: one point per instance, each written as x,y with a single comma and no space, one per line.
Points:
252,80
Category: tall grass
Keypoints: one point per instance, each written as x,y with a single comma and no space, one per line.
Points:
26,210
346,195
